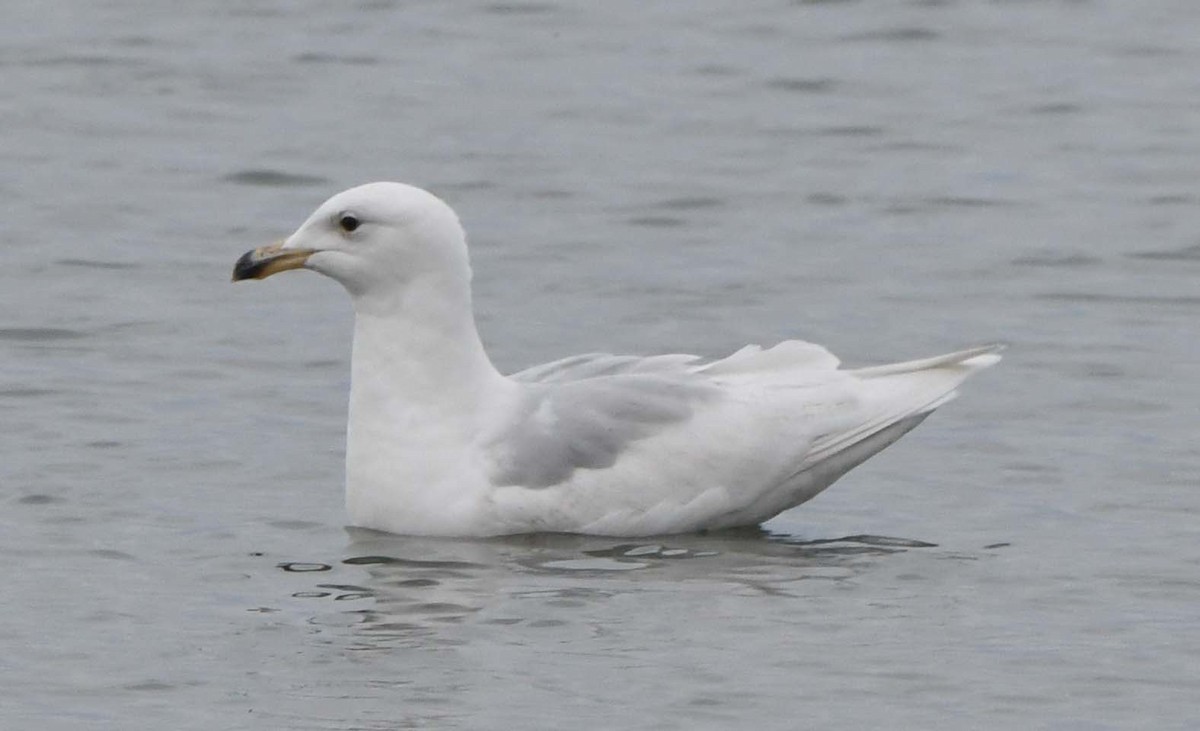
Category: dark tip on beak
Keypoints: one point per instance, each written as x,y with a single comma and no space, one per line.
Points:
249,266
267,260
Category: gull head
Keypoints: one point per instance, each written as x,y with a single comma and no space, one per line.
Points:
374,239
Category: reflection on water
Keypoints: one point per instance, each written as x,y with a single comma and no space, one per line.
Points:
406,590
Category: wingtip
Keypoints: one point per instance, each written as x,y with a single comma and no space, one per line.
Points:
986,355
973,358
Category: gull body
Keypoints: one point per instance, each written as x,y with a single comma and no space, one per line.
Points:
440,443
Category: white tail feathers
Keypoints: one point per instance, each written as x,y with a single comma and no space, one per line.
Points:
901,391
972,358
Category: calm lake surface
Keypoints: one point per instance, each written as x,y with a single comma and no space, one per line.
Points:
890,179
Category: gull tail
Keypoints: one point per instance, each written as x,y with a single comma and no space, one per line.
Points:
891,400
905,393
894,399
972,359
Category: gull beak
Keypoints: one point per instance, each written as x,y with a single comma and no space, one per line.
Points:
267,260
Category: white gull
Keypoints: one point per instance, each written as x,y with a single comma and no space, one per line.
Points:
440,443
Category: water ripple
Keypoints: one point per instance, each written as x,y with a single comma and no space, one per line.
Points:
273,179
1187,253
1099,298
39,334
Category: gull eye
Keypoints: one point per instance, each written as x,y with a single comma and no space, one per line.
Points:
348,222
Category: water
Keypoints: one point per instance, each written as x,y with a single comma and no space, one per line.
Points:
890,179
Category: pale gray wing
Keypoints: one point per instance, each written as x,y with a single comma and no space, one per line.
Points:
563,425
583,412
592,365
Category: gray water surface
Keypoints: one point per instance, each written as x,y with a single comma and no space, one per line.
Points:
890,179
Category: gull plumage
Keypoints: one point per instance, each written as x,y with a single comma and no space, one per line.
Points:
440,443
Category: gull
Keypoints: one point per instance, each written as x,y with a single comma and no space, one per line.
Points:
441,443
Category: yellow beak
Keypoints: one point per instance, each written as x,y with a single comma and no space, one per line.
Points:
267,260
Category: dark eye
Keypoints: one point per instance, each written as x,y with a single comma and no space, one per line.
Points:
348,222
